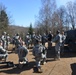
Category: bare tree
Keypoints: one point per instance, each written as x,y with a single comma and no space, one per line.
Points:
55,22
53,19
62,17
71,11
59,19
45,14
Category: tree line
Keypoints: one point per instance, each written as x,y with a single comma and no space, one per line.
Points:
52,18
4,19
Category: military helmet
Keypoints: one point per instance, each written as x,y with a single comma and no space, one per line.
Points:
38,39
58,31
4,32
27,33
33,32
17,34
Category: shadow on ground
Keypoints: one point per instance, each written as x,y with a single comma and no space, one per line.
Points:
73,67
16,70
67,53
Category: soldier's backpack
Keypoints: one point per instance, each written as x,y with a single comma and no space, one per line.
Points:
38,50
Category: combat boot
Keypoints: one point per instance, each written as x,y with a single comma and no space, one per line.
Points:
40,70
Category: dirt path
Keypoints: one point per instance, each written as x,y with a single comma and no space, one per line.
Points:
66,66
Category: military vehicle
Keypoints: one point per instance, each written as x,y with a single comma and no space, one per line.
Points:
71,39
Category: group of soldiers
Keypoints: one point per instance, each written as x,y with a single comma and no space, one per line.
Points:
4,42
39,48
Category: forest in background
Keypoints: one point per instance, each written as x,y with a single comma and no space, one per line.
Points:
49,18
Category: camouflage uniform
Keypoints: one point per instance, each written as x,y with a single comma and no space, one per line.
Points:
44,39
4,40
22,53
28,40
63,41
8,40
17,42
40,37
34,39
40,54
58,41
49,40
3,53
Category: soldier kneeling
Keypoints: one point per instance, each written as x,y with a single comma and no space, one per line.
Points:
40,54
22,53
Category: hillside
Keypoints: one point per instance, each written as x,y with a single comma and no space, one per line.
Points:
18,29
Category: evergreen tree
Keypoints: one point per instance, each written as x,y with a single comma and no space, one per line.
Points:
30,29
4,21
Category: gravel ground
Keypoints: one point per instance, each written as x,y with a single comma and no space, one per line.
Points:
65,66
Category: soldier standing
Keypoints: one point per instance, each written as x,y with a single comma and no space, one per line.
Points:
33,38
49,40
17,38
63,42
8,40
28,40
44,39
58,41
4,39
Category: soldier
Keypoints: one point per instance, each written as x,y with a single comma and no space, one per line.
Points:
3,52
40,54
28,40
17,40
17,36
13,39
33,38
4,39
8,40
49,39
63,42
44,39
58,41
22,53
40,37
